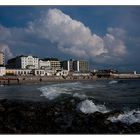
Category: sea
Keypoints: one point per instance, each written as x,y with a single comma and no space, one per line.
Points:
96,95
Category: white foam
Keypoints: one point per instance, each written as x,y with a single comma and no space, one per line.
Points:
53,91
81,96
113,82
128,117
87,106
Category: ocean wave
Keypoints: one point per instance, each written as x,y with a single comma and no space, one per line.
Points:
53,91
127,117
113,82
87,106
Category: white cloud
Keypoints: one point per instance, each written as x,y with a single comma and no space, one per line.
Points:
74,38
114,45
117,32
71,36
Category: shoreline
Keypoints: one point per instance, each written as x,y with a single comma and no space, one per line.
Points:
21,80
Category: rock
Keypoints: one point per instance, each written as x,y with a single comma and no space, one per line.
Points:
135,128
2,109
106,122
114,113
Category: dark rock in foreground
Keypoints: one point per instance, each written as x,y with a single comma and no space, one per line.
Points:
20,117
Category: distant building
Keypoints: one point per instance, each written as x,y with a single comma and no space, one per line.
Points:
55,65
81,66
44,64
74,65
21,72
67,65
62,73
23,62
38,72
2,59
2,71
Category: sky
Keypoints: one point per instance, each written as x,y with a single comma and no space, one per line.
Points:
106,36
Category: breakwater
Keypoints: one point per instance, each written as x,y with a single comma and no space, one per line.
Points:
126,76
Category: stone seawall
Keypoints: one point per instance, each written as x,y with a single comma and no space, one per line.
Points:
9,80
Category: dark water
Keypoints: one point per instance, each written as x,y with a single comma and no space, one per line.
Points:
119,94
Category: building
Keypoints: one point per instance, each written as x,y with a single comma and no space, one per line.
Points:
2,71
2,59
62,73
74,65
39,72
81,66
20,72
67,65
55,65
23,62
44,64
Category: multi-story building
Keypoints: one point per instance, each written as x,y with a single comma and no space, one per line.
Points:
2,59
24,62
81,66
67,65
55,65
74,65
44,64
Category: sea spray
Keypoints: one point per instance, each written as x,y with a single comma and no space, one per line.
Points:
53,91
129,117
87,106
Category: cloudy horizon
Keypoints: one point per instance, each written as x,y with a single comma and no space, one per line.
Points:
108,37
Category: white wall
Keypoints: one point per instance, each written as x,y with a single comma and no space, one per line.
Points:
2,71
29,60
45,64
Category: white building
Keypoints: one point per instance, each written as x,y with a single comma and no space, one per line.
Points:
39,72
23,62
29,62
62,73
49,72
2,71
44,64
